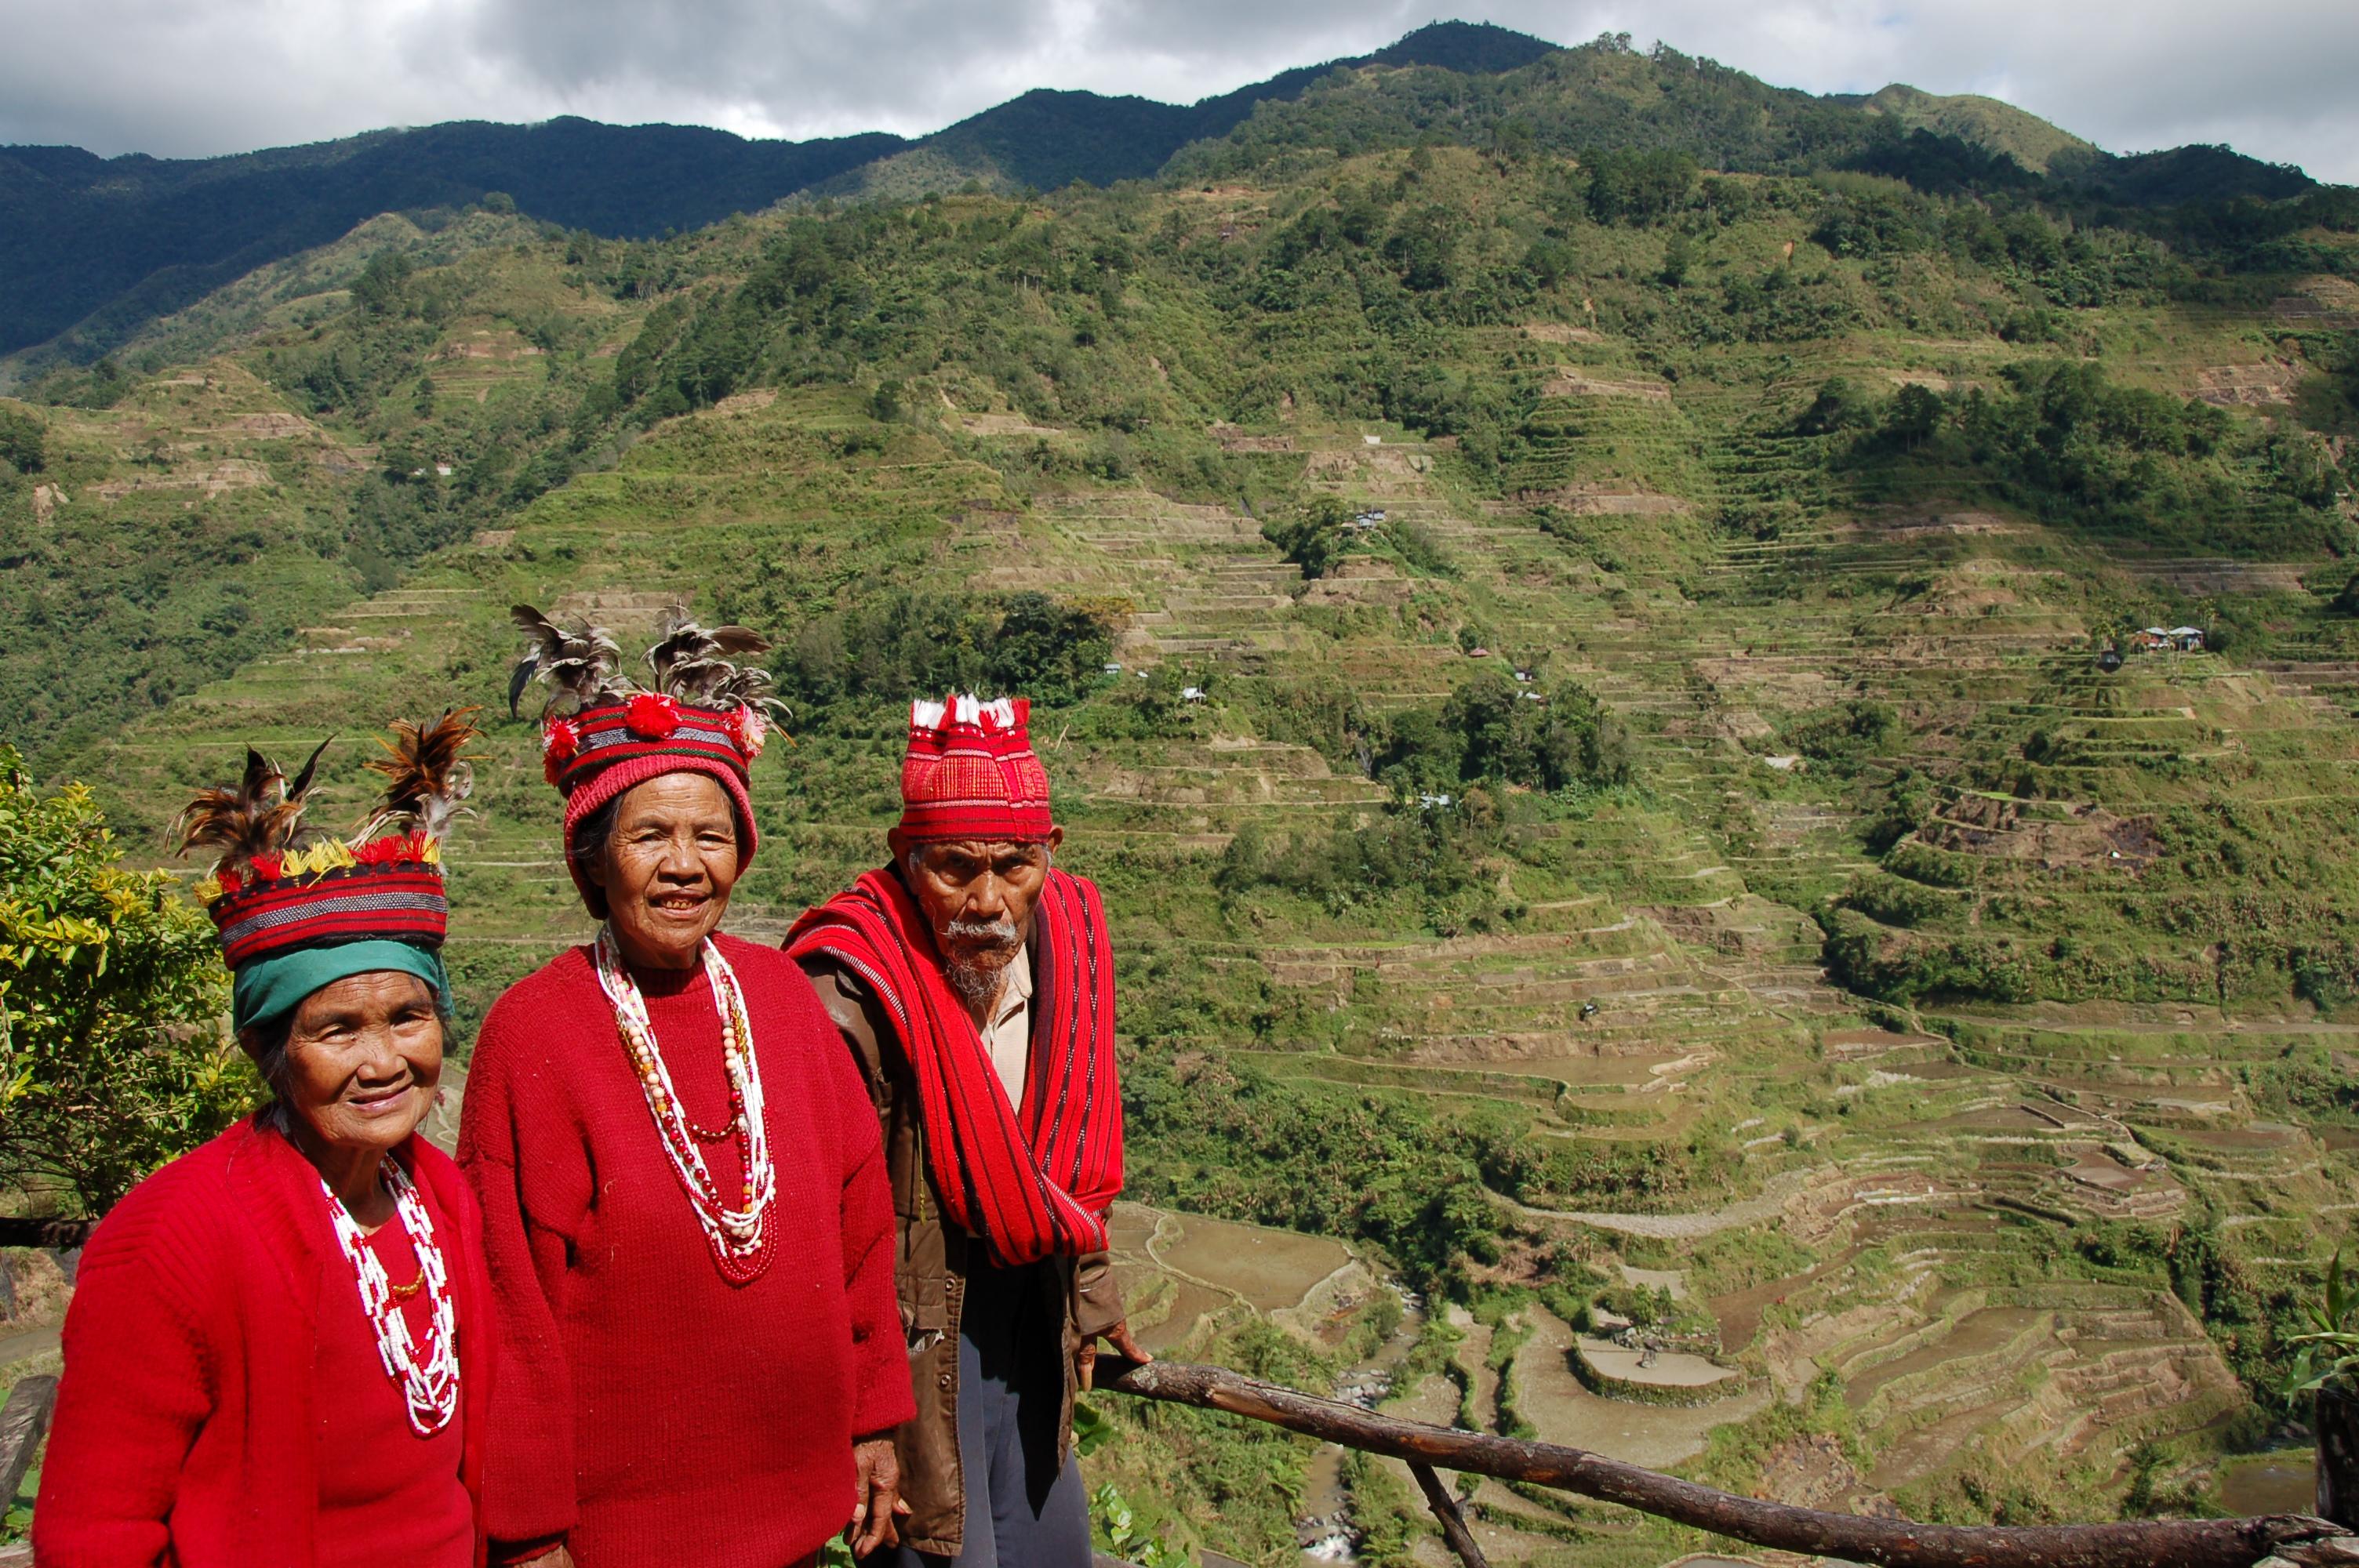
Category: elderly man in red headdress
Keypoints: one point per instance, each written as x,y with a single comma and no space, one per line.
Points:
974,984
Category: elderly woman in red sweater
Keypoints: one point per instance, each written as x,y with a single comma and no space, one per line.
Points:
689,1228
278,1350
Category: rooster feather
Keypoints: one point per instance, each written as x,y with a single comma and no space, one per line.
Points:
582,663
262,814
687,656
690,663
426,778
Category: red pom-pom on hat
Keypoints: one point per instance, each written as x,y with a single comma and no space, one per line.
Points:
560,740
652,715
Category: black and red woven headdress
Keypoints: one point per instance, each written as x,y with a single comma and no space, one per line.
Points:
280,885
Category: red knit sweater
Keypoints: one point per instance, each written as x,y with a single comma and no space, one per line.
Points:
646,1408
189,1419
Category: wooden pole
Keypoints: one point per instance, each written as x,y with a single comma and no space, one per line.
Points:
2297,1539
49,1233
2337,1421
1445,1509
22,1420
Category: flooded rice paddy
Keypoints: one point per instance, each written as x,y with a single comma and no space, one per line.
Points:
1185,1267
2283,1483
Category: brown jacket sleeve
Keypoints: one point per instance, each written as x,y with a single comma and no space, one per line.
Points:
1097,1295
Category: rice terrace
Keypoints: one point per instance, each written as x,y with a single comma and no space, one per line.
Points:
1717,726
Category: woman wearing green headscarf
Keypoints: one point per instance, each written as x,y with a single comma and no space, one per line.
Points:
278,1349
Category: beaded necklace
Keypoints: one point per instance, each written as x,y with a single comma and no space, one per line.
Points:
429,1382
741,1237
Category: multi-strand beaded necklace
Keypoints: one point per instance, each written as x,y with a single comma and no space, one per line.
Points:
429,1381
740,1237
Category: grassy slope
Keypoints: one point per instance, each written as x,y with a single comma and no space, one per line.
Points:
1985,121
1654,529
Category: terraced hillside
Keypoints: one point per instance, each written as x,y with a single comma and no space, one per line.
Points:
1680,893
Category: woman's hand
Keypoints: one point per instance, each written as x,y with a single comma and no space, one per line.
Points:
876,1496
555,1556
1085,1359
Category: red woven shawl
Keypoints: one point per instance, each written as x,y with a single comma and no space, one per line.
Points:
1033,1181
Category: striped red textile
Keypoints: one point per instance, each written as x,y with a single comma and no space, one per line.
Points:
402,899
590,742
1033,1181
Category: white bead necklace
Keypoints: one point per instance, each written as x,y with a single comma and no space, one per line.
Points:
740,1236
429,1382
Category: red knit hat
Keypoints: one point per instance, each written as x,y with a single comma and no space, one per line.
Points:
971,772
597,754
618,737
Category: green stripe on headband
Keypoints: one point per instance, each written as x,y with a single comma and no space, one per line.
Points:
267,989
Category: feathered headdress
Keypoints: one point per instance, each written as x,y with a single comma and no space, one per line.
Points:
426,780
581,664
702,702
706,708
254,822
282,884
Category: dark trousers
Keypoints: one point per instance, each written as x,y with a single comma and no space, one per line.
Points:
1023,1508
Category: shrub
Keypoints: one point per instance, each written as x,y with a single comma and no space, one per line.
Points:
113,1054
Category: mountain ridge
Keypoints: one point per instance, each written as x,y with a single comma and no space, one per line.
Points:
1748,543
91,249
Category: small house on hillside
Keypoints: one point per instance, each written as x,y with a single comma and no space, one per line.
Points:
2187,639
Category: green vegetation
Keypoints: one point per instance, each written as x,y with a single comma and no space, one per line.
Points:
897,646
112,1056
1814,917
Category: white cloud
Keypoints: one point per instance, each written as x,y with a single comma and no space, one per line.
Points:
195,77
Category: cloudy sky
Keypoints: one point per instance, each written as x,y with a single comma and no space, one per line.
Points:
187,77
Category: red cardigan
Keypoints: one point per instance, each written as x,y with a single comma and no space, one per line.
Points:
647,1409
185,1422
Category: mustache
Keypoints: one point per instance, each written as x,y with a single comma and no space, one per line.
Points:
1000,933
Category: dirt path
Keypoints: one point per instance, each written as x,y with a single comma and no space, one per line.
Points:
1683,1227
27,1345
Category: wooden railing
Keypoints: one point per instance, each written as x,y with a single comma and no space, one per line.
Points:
2282,1541
2296,1539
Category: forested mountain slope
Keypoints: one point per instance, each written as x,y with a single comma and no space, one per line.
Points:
1685,862
92,249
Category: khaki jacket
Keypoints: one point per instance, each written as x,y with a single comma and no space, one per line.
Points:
929,1274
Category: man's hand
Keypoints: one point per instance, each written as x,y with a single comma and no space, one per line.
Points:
555,1556
876,1496
1086,1359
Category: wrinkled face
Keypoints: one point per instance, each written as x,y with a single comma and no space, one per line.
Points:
363,1056
667,868
978,896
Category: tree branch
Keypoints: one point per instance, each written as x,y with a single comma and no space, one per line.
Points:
1445,1509
2296,1539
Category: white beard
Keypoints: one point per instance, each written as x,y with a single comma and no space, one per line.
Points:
977,986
